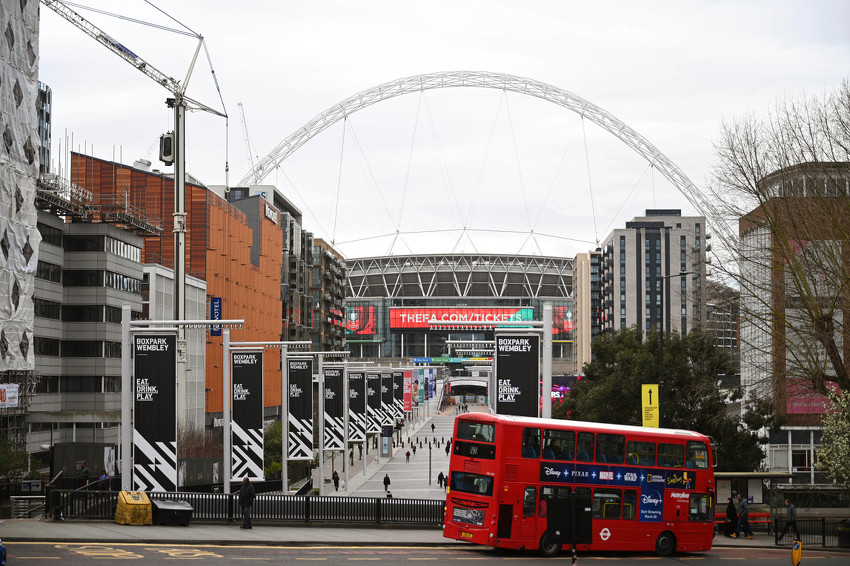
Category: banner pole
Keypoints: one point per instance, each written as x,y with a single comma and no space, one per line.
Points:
346,434
226,396
126,402
284,420
321,418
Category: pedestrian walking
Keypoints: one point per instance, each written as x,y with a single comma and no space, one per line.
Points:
247,493
414,450
743,518
432,428
731,518
790,520
387,482
448,447
407,456
2,553
440,479
84,475
335,478
103,480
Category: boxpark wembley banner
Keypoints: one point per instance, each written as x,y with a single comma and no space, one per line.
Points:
155,412
247,424
517,374
356,406
334,407
300,401
373,402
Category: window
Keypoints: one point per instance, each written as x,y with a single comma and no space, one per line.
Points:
671,455
46,346
83,278
48,272
478,432
559,444
530,442
607,503
80,384
82,349
584,449
123,249
113,314
698,508
84,243
123,282
46,309
609,448
112,349
50,235
697,456
640,453
82,313
529,502
472,483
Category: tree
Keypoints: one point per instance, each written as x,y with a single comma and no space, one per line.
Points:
784,180
692,398
834,456
13,459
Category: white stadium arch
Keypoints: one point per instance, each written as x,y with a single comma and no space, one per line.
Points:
479,79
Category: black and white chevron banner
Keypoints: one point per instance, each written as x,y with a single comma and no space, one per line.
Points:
247,453
334,425
154,465
387,398
398,394
155,411
300,417
356,407
373,402
247,429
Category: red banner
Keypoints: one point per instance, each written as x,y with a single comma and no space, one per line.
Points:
408,391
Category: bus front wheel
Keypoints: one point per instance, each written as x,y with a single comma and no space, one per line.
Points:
665,545
549,546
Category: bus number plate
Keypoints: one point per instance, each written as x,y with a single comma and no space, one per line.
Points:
466,535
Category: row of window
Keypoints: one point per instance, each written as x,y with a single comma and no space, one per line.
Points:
603,448
79,384
89,243
88,278
76,313
76,348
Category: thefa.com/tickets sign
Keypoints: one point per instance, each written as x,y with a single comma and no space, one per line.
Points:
425,317
517,374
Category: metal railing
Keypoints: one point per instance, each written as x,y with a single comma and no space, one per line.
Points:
821,532
101,505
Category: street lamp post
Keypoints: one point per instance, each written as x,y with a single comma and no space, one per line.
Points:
661,348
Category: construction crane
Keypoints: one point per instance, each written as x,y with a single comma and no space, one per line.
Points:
255,175
172,150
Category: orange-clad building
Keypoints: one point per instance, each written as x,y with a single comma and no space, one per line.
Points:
236,248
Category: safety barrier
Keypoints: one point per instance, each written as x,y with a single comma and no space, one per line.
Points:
100,505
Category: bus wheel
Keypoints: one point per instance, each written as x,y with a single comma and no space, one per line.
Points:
549,547
666,544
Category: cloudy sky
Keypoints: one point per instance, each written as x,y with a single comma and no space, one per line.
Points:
407,175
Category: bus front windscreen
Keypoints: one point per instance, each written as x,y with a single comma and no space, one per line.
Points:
477,484
476,432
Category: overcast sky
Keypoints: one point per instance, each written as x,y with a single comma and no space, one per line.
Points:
426,165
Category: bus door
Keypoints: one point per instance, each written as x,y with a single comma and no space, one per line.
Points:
563,510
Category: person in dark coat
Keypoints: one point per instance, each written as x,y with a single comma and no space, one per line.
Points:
731,518
440,479
247,493
387,482
790,521
335,478
743,518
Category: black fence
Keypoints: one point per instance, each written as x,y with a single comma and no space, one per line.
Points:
815,532
101,505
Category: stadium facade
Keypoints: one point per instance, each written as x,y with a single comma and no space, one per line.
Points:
420,307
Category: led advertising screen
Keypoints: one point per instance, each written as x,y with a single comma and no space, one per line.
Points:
562,322
408,318
360,320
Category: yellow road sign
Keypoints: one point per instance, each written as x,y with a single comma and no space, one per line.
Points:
650,404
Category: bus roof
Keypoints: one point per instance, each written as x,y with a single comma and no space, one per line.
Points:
582,425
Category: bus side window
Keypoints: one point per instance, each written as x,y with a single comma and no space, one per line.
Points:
529,502
530,442
697,456
607,503
671,455
640,453
584,452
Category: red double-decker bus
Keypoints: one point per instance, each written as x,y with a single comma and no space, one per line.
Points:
514,481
